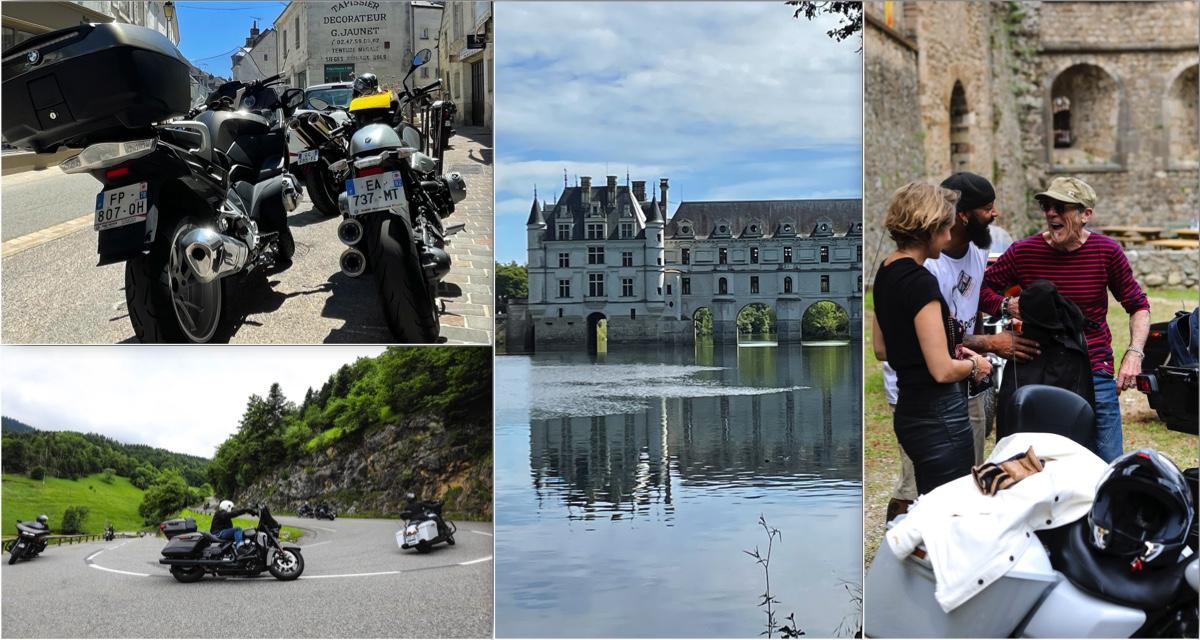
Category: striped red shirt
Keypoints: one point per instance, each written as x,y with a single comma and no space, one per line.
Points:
1083,276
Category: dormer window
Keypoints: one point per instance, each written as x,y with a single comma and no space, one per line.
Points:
685,228
787,228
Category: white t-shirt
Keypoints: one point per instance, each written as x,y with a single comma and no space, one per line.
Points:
959,280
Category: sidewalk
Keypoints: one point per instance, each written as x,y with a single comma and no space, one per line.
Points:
471,318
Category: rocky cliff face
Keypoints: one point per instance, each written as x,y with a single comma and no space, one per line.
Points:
370,476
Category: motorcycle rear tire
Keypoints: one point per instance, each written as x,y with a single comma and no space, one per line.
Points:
408,305
148,294
292,575
320,191
187,575
15,554
424,546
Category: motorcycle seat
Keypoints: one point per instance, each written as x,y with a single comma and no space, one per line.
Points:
1040,408
1109,577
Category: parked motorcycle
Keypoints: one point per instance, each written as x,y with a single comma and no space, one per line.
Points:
186,204
192,555
31,540
424,526
1064,587
1170,375
394,205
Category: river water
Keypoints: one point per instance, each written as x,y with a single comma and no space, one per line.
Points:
629,485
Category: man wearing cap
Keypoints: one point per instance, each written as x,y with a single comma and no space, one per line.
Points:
959,272
1084,266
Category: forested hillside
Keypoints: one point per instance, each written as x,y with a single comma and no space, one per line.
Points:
72,455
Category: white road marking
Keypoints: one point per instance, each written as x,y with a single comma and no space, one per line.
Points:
463,564
321,528
480,533
315,544
352,575
89,558
128,573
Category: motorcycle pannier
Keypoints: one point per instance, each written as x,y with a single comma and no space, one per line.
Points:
181,547
172,528
91,83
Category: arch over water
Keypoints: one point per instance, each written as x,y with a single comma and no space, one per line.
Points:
597,333
756,322
825,320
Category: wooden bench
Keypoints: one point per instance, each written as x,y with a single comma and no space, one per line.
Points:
1176,243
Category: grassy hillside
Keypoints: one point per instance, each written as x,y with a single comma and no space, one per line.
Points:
25,499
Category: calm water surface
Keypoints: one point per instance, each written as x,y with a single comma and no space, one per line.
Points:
629,485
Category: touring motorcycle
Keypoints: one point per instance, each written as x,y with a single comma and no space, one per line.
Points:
31,540
187,204
194,554
424,526
1170,375
1064,587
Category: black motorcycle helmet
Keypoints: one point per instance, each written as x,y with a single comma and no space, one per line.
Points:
1143,510
43,520
366,84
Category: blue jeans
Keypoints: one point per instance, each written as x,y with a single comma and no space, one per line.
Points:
1108,417
234,533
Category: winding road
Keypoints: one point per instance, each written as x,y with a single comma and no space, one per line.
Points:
357,583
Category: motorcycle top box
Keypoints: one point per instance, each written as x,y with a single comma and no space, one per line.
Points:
178,526
92,83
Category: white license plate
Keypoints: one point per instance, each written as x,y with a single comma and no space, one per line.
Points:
375,193
307,157
119,207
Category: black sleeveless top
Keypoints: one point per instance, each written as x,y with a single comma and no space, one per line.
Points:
901,290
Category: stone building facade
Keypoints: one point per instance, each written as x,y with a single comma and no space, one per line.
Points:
607,252
1022,92
333,40
258,58
465,61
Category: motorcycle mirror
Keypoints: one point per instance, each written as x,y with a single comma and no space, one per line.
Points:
293,98
421,58
318,104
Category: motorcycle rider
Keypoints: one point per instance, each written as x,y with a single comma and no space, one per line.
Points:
222,525
43,522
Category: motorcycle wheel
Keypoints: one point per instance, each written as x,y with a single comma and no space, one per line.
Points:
187,574
424,546
15,554
408,304
165,300
320,190
286,565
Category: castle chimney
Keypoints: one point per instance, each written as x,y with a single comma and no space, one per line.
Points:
662,186
639,190
585,184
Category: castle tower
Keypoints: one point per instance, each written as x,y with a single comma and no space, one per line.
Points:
535,230
655,257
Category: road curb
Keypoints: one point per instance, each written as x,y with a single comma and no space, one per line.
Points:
17,245
11,163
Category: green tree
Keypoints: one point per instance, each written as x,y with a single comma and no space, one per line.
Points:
826,320
703,323
38,472
72,520
850,16
143,476
166,496
512,280
107,476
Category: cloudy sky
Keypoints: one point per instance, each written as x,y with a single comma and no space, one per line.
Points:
184,399
728,100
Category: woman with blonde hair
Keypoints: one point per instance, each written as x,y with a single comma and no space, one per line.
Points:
915,333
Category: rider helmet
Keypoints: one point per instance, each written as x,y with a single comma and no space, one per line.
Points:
1143,510
366,84
226,505
43,519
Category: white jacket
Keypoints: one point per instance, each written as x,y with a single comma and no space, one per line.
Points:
973,539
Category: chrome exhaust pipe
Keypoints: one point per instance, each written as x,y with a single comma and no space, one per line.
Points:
312,129
211,255
350,232
353,262
291,193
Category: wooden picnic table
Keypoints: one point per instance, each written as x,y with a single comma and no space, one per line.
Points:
1177,243
1193,234
1132,232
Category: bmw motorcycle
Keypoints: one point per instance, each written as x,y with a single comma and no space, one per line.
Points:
424,525
30,541
321,135
188,205
393,209
192,555
1061,588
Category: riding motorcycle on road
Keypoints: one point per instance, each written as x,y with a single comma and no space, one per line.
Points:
393,206
30,541
305,511
110,534
424,526
325,512
1126,568
186,204
192,555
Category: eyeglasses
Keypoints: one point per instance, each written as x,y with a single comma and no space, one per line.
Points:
1058,207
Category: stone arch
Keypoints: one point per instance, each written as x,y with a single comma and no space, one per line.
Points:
702,323
755,320
597,332
960,128
1086,101
1181,117
820,327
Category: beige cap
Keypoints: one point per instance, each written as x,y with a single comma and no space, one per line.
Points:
1072,190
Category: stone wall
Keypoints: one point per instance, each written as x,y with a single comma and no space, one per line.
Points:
1158,268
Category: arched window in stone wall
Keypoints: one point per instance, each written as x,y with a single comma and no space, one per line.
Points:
1085,106
1183,119
960,129
787,285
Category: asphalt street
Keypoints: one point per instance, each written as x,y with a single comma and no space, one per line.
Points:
53,292
357,583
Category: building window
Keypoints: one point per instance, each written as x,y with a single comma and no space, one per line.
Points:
858,252
686,285
564,259
824,254
564,232
424,33
633,314
753,284
787,255
626,258
424,72
787,285
753,255
595,231
564,290
722,286
296,28
596,285
560,312
626,230
658,260
722,256
668,289
626,287
595,255
824,284
339,72
685,256
660,237
860,282
285,44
